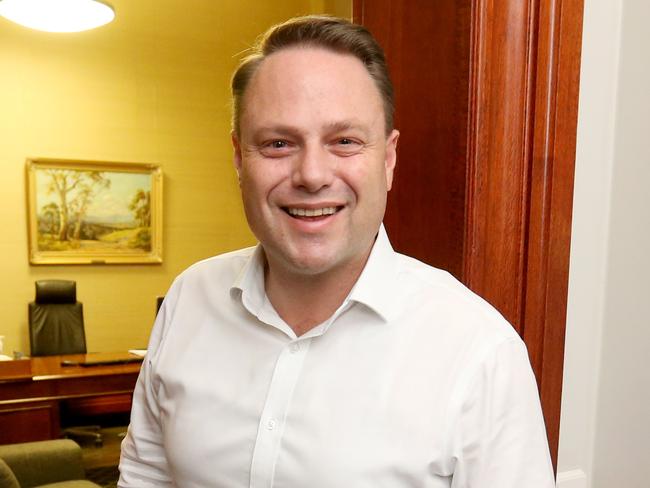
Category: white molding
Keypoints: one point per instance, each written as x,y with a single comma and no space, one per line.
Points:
576,478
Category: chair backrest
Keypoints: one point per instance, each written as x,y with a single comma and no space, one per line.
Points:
159,302
56,323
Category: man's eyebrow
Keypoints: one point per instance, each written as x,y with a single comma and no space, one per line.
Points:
347,125
277,129
344,125
334,126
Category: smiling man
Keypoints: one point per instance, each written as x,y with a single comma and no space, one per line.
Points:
315,161
321,358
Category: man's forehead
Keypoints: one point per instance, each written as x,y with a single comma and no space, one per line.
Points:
307,52
295,79
310,63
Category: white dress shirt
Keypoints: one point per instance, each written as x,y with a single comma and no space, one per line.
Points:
413,382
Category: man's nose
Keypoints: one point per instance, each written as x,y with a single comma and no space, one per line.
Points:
314,168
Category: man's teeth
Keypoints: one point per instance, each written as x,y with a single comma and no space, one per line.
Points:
311,212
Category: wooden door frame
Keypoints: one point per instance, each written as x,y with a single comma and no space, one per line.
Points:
523,105
521,157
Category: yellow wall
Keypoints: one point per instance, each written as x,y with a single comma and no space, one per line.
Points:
150,87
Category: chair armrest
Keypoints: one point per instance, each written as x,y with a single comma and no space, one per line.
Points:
43,462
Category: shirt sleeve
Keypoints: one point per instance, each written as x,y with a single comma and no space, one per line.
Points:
499,438
143,461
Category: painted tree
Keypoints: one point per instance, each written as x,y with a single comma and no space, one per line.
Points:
75,190
141,207
89,187
50,217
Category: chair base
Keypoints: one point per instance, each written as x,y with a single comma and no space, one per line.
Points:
90,432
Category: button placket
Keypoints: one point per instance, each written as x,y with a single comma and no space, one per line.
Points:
271,425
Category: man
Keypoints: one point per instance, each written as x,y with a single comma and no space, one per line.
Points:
322,358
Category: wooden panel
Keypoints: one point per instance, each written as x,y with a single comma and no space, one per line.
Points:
552,170
29,422
68,387
99,405
23,388
521,157
429,63
498,155
52,380
15,370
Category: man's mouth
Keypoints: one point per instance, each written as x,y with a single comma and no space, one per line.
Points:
297,212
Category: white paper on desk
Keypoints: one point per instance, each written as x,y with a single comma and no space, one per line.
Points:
4,357
138,352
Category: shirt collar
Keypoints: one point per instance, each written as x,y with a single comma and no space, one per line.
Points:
375,287
250,281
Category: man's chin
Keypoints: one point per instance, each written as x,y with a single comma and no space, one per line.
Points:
312,263
316,259
312,266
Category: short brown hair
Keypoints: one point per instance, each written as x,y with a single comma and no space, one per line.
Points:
332,33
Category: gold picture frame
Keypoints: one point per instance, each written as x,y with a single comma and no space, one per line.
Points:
91,212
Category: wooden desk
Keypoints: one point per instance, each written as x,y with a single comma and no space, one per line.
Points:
31,390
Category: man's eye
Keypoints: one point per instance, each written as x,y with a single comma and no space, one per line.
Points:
276,148
346,146
277,144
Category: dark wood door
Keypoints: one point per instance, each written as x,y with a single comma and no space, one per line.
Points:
486,95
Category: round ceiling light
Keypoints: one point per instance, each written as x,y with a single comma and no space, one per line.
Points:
57,15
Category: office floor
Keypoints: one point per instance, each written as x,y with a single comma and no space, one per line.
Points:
101,463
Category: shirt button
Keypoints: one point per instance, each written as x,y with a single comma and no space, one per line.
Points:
294,348
271,424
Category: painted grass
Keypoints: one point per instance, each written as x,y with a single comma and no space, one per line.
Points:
122,239
123,235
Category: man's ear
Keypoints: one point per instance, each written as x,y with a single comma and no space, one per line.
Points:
236,158
391,157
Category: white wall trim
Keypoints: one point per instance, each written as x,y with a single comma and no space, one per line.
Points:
576,478
588,271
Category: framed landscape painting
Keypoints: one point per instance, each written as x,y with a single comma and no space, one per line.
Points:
83,212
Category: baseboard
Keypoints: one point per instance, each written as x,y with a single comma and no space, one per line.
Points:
576,478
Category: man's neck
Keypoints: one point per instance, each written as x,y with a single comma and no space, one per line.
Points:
305,300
